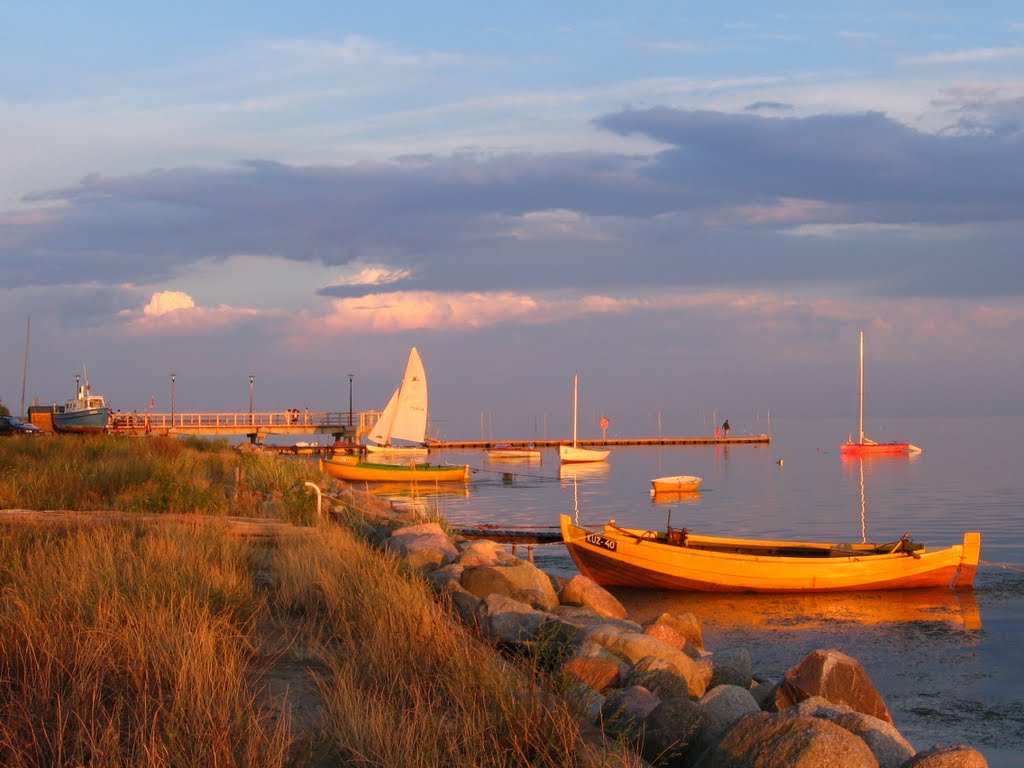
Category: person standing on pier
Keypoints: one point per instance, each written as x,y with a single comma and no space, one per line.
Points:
725,428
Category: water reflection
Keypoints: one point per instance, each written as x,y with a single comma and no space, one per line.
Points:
675,497
814,612
593,470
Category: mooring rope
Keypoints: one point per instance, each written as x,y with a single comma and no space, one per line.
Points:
514,474
1001,565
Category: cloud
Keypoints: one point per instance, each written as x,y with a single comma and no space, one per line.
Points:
163,302
968,55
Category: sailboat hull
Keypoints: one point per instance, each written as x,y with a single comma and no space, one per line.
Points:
569,454
877,449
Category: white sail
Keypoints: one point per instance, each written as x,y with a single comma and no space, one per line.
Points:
381,433
405,416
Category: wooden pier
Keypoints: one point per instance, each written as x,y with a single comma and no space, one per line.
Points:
611,442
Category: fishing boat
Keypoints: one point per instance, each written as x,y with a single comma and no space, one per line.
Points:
864,446
404,418
86,412
351,468
505,451
680,560
676,483
573,453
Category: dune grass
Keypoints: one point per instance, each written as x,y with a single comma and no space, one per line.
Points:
148,643
153,475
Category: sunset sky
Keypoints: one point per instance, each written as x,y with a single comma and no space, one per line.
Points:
696,206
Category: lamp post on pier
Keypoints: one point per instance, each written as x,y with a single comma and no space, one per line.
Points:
350,377
252,380
173,377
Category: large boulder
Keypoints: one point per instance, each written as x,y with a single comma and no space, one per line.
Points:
731,666
422,547
519,580
581,590
505,620
887,744
682,623
835,676
955,756
625,710
660,677
724,706
763,740
671,731
634,646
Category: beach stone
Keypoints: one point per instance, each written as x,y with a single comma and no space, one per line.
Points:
521,580
671,731
954,756
478,552
581,590
582,616
724,706
666,634
685,624
505,620
888,745
634,646
422,547
625,709
764,740
731,666
835,676
466,605
659,677
600,674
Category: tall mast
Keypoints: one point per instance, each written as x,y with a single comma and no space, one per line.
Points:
575,404
861,417
24,368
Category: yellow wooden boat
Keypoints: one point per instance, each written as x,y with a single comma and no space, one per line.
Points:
345,468
676,483
680,560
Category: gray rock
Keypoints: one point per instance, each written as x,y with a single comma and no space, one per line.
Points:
580,590
625,710
505,620
886,743
633,647
520,580
835,676
671,731
763,740
422,547
685,624
725,706
955,756
731,666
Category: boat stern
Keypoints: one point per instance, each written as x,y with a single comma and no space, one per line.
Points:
969,559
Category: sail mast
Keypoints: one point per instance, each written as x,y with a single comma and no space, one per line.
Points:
24,368
861,417
575,404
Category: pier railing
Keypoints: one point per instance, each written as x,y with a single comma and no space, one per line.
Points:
341,424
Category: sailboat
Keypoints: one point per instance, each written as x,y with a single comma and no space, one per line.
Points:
405,415
573,453
864,445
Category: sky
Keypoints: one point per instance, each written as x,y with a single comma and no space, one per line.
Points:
696,207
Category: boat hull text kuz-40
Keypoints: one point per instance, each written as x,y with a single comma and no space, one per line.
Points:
679,560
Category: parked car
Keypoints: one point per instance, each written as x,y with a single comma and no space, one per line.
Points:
12,426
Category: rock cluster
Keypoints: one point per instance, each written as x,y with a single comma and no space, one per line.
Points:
657,685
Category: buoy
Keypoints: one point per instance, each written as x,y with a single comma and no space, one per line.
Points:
780,462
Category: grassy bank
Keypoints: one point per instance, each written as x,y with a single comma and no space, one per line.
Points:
170,644
154,475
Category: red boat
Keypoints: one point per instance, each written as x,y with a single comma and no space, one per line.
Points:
865,446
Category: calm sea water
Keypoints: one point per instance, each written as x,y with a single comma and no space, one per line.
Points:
948,664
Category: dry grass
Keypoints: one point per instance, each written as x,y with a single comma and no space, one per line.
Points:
162,643
153,475
128,646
